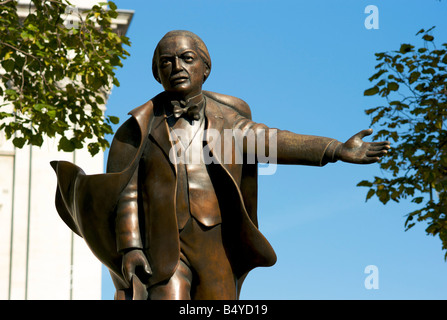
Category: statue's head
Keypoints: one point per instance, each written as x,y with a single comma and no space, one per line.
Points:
181,63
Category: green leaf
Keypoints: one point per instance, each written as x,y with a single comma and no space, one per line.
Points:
112,5
8,65
429,71
393,86
364,183
371,91
372,110
5,115
414,76
93,148
40,106
52,113
7,55
377,74
428,37
411,225
116,82
418,199
420,31
399,68
11,94
371,192
66,145
100,100
404,48
114,120
36,140
444,59
19,142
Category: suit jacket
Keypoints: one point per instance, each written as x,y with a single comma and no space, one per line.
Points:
133,204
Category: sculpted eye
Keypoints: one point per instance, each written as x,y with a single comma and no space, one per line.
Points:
188,58
164,62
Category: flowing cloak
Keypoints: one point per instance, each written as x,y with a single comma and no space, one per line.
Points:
86,203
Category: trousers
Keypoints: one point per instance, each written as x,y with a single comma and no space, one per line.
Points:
203,272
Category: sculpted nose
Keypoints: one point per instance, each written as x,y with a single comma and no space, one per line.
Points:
177,66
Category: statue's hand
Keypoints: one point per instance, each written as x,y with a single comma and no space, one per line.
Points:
355,150
135,263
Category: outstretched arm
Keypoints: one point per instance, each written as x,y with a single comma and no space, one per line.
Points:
293,148
355,150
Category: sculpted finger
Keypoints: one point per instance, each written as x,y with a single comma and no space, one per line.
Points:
143,269
381,143
146,267
128,270
374,154
143,273
372,160
364,133
127,273
373,147
369,159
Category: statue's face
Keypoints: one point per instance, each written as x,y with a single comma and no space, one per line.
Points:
180,68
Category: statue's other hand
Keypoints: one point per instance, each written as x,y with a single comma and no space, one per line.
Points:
135,263
355,150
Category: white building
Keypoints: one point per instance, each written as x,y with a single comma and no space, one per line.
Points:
40,258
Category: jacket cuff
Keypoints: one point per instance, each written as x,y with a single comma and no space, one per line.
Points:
331,152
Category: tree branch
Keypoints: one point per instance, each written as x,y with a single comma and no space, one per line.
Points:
17,49
5,2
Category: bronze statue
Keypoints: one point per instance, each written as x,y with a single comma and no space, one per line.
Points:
169,228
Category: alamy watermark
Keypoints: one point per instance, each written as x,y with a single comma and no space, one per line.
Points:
233,147
372,280
71,17
372,20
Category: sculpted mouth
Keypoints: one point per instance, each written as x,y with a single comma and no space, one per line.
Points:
179,78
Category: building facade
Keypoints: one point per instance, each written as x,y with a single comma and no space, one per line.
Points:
40,257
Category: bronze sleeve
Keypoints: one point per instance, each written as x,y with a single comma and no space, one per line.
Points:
126,224
287,147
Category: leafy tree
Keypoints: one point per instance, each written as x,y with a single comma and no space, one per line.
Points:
413,81
56,77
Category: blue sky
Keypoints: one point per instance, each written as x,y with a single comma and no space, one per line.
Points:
303,66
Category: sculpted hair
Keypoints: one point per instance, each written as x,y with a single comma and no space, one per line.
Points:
201,48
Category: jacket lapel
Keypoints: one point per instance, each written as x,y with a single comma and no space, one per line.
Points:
160,133
214,129
160,130
152,122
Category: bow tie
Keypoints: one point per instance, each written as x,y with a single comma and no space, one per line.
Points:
181,108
